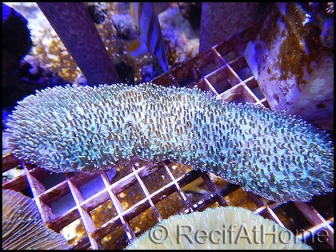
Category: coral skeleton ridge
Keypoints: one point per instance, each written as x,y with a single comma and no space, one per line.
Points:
80,128
235,228
23,227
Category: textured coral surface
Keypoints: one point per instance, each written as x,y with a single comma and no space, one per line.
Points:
220,227
83,129
23,227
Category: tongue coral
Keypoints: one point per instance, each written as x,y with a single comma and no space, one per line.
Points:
78,128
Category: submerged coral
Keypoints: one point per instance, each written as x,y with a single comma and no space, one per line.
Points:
218,228
23,227
84,129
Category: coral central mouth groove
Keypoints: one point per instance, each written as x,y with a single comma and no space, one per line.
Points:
80,128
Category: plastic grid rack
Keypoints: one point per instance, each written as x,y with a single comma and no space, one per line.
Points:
112,208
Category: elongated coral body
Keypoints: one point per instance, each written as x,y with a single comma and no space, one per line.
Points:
85,129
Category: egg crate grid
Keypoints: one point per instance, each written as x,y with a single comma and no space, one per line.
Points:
138,195
148,198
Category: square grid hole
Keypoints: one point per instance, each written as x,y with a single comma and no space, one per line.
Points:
131,195
186,75
241,68
223,79
74,232
156,180
169,205
103,213
239,94
208,62
231,49
143,221
116,240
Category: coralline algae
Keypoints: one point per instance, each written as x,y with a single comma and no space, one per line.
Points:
80,128
292,59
